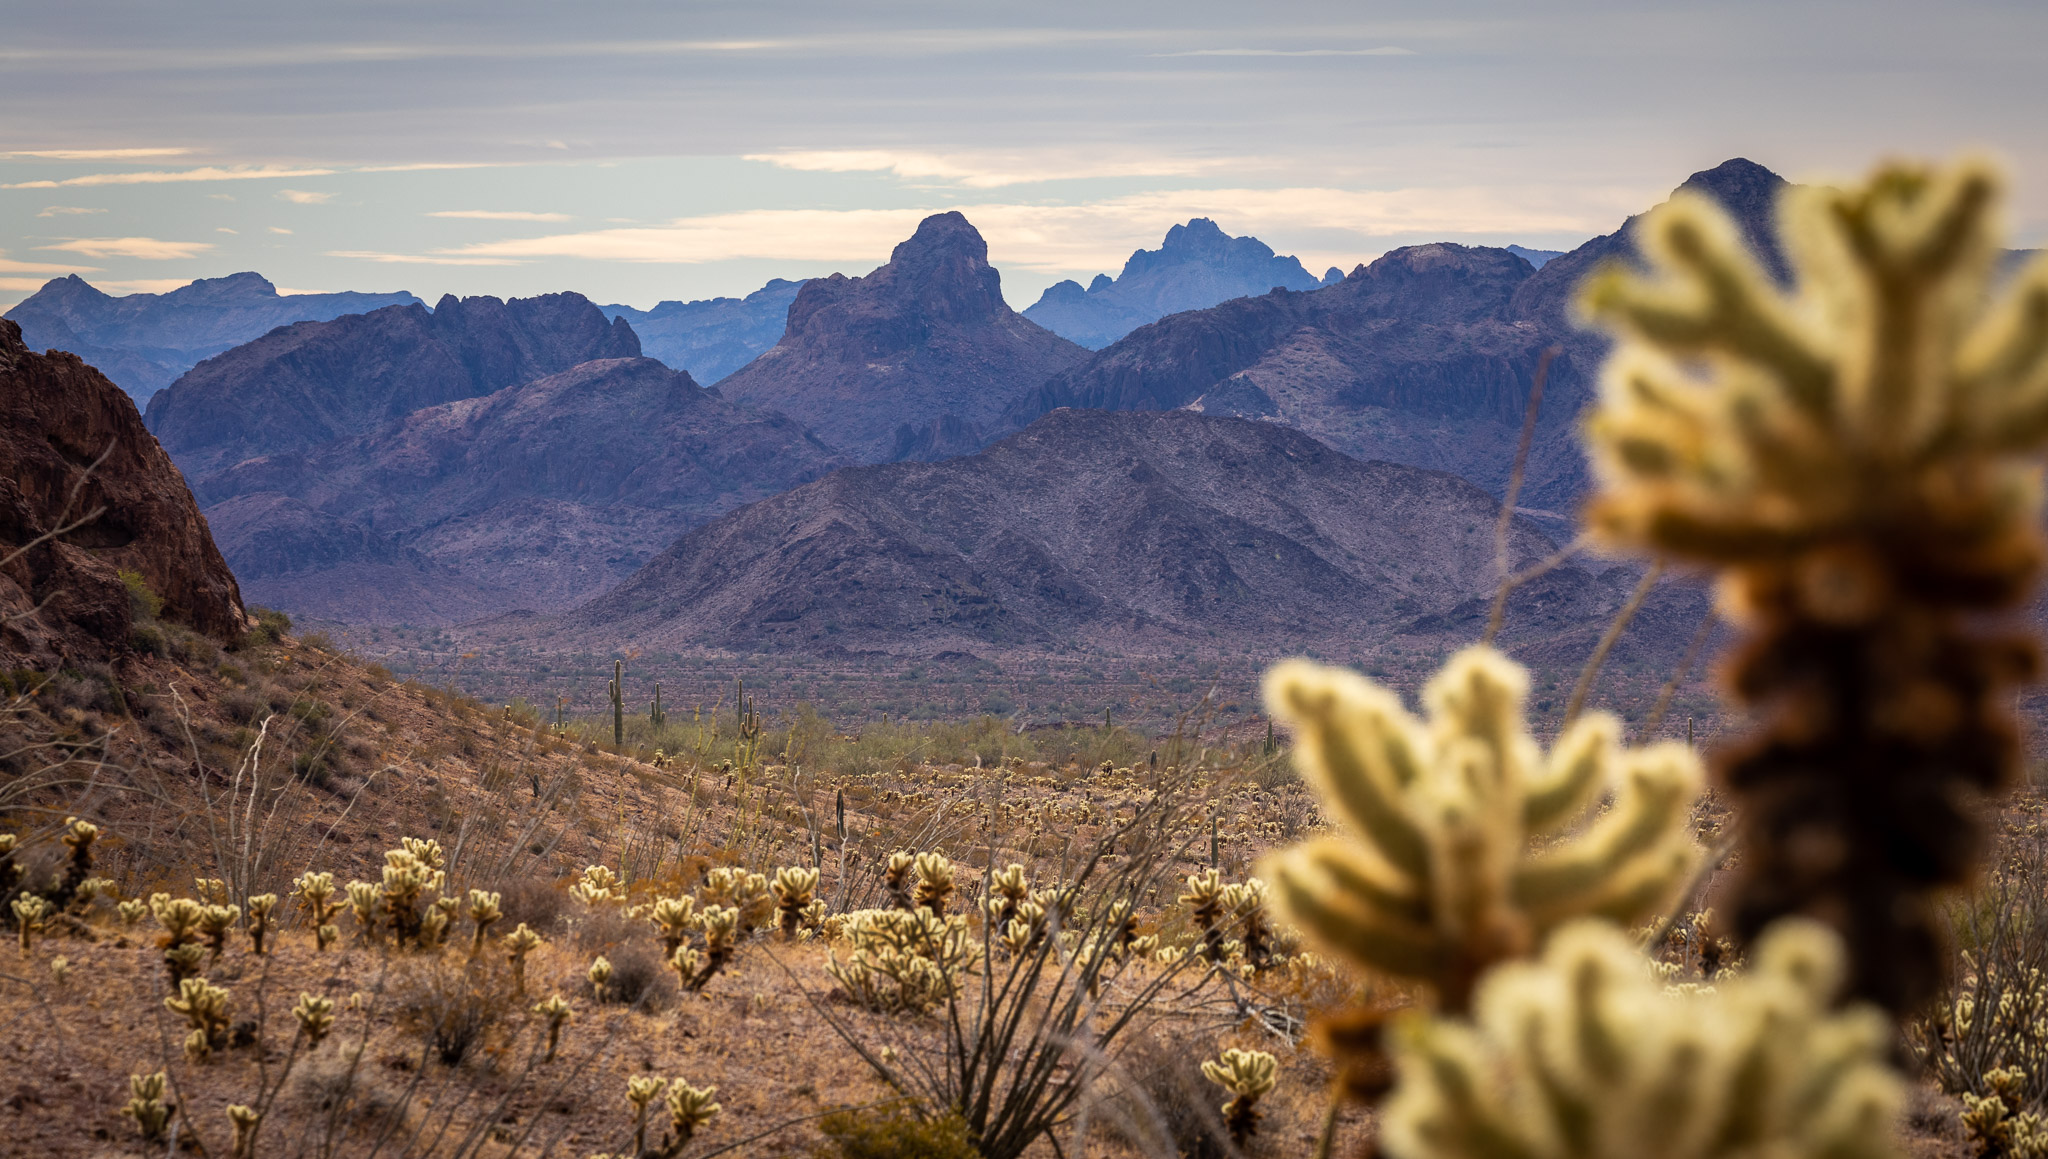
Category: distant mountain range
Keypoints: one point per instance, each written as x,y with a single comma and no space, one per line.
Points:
309,383
712,337
917,359
143,342
1198,265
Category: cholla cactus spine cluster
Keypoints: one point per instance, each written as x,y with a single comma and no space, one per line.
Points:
260,907
1854,457
315,1016
483,912
934,883
519,943
1248,1075
599,886
1466,845
204,1007
794,889
147,1107
30,911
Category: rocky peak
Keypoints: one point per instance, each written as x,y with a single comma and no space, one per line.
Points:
235,288
1440,282
940,275
1749,192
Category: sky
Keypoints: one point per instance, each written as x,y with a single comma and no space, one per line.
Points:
637,151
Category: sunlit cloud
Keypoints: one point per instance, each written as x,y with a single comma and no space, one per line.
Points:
1386,50
499,215
67,211
423,259
983,170
10,266
145,248
279,229
94,154
21,284
144,285
302,197
168,176
224,229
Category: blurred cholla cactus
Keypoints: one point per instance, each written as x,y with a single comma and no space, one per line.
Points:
896,879
204,1007
1855,455
793,888
364,899
600,975
30,911
211,890
132,912
519,943
1204,899
215,921
1248,1075
721,928
641,1092
244,1120
260,907
60,969
688,1110
483,911
1991,1125
558,1014
1585,1053
686,962
410,874
182,961
146,1106
315,891
901,961
316,1017
934,883
1247,904
1469,843
747,894
673,918
78,838
599,886
1007,890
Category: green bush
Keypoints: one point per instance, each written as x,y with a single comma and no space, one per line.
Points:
894,1133
271,626
143,603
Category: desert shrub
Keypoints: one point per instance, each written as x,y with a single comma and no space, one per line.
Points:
539,903
894,1132
341,1086
271,626
454,1006
639,977
143,603
149,640
1159,1102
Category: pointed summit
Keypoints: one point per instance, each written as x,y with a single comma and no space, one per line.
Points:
925,338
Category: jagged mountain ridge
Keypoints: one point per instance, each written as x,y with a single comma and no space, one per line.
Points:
875,365
537,496
143,342
712,337
1424,357
309,383
1196,266
1134,532
72,444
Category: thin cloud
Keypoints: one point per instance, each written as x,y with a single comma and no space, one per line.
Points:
224,229
144,285
167,176
279,229
145,248
302,197
499,215
94,154
980,170
10,266
20,284
1385,50
67,211
423,259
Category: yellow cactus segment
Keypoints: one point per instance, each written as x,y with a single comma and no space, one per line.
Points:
1586,1053
1456,857
689,1108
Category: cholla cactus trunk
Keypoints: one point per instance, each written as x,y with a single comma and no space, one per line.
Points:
1856,462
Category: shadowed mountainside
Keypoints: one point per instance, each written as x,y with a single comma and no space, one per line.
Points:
880,366
539,496
712,337
143,342
302,385
1197,266
71,444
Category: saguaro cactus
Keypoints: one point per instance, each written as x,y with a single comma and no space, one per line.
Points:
655,714
617,692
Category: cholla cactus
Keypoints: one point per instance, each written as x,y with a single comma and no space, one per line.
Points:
204,1007
78,838
211,890
316,1017
60,969
686,962
1248,1075
316,892
244,1120
641,1092
1247,904
410,874
901,961
436,920
600,975
182,961
688,1110
364,900
1990,1124
1007,890
483,910
1204,899
934,883
721,928
558,1015
131,912
673,918
1025,932
146,1106
1586,1053
1856,457
747,893
215,922
29,914
1467,839
260,907
599,886
793,888
519,943
896,879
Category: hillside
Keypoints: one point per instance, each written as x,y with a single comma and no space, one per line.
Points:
1424,357
540,495
143,342
1196,266
920,353
305,384
712,337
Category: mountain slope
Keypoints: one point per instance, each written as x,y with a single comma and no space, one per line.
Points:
72,445
143,342
1132,532
1197,266
1424,357
712,337
305,384
539,496
876,364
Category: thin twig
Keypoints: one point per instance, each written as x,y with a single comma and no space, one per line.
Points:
1607,639
1505,523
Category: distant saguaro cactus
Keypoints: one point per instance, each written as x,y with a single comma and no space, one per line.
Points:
617,692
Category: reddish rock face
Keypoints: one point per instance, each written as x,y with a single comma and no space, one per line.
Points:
57,417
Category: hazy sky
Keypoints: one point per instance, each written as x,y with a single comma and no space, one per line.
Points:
635,151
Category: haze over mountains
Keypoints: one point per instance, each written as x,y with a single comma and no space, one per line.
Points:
143,342
712,337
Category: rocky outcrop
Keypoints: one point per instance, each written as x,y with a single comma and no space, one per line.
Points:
306,384
1424,357
538,496
143,342
922,338
85,494
1197,266
712,337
